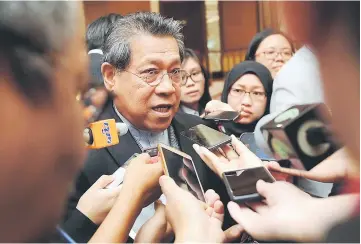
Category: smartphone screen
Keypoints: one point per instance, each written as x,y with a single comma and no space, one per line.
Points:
222,116
243,182
206,136
249,140
181,169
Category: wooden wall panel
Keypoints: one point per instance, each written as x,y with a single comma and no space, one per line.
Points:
239,23
95,9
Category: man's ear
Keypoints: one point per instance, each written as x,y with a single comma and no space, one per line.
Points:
108,72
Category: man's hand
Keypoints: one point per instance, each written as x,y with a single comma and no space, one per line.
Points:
228,158
190,219
142,178
288,213
96,202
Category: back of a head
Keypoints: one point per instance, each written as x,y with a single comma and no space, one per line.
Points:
97,30
117,44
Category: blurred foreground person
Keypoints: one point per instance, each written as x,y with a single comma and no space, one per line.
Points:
43,67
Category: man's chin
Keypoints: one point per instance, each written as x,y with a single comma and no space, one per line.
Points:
159,124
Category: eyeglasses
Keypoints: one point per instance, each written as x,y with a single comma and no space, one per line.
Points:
196,77
272,54
155,77
254,95
94,100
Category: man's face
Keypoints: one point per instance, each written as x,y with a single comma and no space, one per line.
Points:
41,148
146,107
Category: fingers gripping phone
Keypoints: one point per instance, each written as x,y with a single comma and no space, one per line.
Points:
222,116
180,167
206,137
241,184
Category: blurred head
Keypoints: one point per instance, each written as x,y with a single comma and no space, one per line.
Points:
270,48
139,52
97,30
248,88
336,42
43,66
196,90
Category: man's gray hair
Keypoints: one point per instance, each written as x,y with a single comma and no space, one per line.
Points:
29,33
117,44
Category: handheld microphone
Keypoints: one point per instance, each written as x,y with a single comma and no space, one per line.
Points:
103,133
301,134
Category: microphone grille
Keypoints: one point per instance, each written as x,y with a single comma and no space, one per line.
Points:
122,129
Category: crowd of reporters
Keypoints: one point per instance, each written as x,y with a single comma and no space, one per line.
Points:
159,88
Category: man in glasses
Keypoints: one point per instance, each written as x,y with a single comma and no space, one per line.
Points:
142,69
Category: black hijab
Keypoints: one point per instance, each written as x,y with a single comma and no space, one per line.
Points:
247,67
258,39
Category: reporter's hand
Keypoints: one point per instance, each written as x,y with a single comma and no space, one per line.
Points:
96,202
156,229
142,178
215,209
228,158
278,175
216,105
330,170
288,213
188,216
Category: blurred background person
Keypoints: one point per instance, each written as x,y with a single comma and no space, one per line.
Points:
95,37
97,31
248,90
270,48
195,93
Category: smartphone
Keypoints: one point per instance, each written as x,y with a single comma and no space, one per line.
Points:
206,137
248,139
241,184
222,116
180,167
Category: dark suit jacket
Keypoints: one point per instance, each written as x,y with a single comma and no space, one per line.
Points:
106,161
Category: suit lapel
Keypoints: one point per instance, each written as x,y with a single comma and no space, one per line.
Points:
127,146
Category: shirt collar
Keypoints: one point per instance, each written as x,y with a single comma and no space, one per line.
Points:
189,110
99,51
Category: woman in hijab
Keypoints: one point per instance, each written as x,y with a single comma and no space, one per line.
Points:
270,48
195,93
247,89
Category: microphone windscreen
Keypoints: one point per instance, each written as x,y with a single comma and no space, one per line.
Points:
122,129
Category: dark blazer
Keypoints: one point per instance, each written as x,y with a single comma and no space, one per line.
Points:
106,161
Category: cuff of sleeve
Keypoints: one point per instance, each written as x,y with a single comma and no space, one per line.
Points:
79,227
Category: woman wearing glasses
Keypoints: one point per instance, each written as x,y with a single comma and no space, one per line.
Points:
247,89
270,48
195,92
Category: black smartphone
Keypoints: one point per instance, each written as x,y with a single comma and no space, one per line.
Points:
152,151
222,116
248,139
206,137
180,167
241,184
